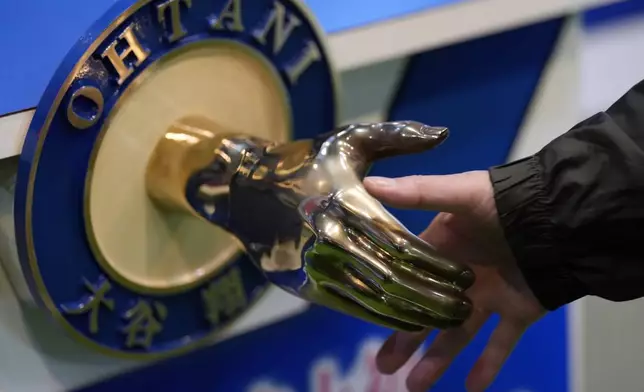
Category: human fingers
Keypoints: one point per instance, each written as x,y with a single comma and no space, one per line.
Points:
442,352
447,193
496,352
397,350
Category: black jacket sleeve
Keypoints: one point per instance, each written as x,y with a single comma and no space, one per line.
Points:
573,214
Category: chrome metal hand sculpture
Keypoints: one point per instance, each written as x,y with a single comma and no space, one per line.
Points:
302,214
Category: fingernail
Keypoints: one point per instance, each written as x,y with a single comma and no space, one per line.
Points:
380,181
435,132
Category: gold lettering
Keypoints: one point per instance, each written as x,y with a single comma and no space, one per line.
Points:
92,303
145,322
230,17
281,29
310,55
174,24
224,296
118,59
92,94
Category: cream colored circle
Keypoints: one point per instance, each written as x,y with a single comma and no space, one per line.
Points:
138,244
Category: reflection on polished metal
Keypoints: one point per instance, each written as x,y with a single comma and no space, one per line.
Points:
303,216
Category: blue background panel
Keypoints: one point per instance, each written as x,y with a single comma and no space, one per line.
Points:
290,357
338,15
613,12
35,35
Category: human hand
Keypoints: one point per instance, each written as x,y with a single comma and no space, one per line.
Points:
467,231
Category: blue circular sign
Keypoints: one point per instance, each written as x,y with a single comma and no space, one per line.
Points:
57,258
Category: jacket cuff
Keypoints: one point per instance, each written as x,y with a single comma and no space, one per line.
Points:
523,206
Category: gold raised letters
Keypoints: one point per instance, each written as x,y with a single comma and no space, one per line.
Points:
310,55
281,29
96,97
230,18
118,59
173,8
92,303
283,24
225,296
145,322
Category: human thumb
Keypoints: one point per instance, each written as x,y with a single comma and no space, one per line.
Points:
445,193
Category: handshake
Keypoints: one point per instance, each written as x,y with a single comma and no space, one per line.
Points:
303,215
